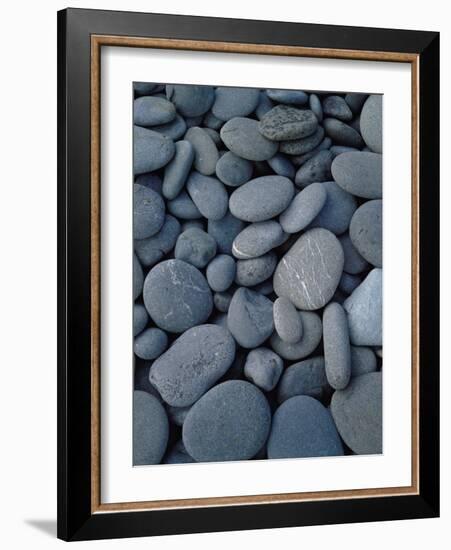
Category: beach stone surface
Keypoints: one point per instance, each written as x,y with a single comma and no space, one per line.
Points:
242,136
151,150
306,377
290,97
234,102
196,247
354,263
152,111
191,100
151,250
205,152
371,123
363,360
183,207
233,170
173,130
256,239
342,133
284,123
282,166
304,208
365,231
176,172
338,210
150,429
336,107
311,337
337,349
263,368
140,318
221,272
303,145
287,322
150,344
148,212
224,231
359,173
256,270
315,169
138,277
208,194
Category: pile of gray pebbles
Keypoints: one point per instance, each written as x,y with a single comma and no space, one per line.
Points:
257,274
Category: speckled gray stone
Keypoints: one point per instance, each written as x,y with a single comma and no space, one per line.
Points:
307,377
177,170
282,166
359,173
140,318
304,208
312,331
316,107
250,318
337,211
208,194
151,181
232,102
242,137
150,429
222,302
304,145
148,212
174,129
256,270
315,169
337,350
196,247
336,107
283,123
151,250
221,272
233,170
357,411
264,105
355,101
205,152
354,263
263,368
177,296
190,100
151,150
178,455
224,231
371,123
261,198
194,362
152,110
138,277
303,427
287,321
365,231
183,207
230,422
291,97
363,360
364,309
150,344
256,239
342,133
310,271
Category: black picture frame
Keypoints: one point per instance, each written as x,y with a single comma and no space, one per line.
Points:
76,521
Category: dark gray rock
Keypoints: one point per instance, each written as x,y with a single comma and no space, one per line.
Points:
174,129
348,283
138,277
205,152
304,208
363,360
355,101
148,212
342,133
233,170
178,455
365,231
311,337
177,296
141,379
282,166
371,123
307,377
151,181
140,318
211,121
255,271
359,173
192,224
264,105
299,160
144,88
183,207
315,169
151,150
196,247
150,429
214,136
339,149
316,107
242,137
208,194
224,231
177,170
150,344
303,427
337,350
250,318
177,415
151,250
304,145
232,102
354,263
263,368
287,321
256,239
221,272
230,422
357,412
152,110
291,97
336,107
222,303
283,123
190,100
194,362
337,211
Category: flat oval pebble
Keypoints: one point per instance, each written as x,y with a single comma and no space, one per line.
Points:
183,207
138,277
315,169
150,429
205,152
140,318
177,170
262,198
354,263
242,136
337,212
224,231
291,97
304,145
150,344
222,302
337,350
232,102
365,231
342,133
230,422
233,170
208,194
371,123
357,411
303,209
264,105
152,110
303,427
284,123
151,250
359,173
151,150
256,270
196,247
348,283
336,107
263,368
177,296
282,166
148,212
310,271
299,160
363,360
307,377
312,330
194,362
150,180
174,129
287,321
256,239
316,107
250,318
190,100
221,272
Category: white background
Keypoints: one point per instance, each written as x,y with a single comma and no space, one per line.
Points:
28,274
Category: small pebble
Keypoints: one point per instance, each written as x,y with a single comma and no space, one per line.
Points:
255,271
311,336
183,207
282,166
359,173
336,107
138,277
307,377
233,170
150,344
337,211
150,429
221,272
342,133
140,319
234,102
190,100
315,169
363,360
337,350
304,145
151,150
303,209
287,321
263,368
365,231
242,137
177,170
148,212
151,250
354,263
256,239
205,151
196,247
224,231
284,123
208,194
152,111
371,123
291,97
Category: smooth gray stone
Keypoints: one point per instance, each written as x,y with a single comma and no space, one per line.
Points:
221,272
310,271
256,239
151,181
299,160
359,173
303,427
316,169
263,368
354,263
224,231
178,455
262,198
140,318
211,121
365,231
283,123
348,283
192,224
264,105
363,360
282,166
148,212
337,350
250,318
194,362
214,136
355,101
150,429
337,211
304,208
364,309
242,136
265,287
307,377
151,250
357,412
339,149
233,170
336,107
291,97
287,321
312,331
138,277
205,152
193,121
144,88
152,110
233,102
177,170
196,247
190,100
230,422
371,123
150,344
304,145
316,107
222,301
208,194
177,415
177,296
256,270
174,129
151,150
342,133
141,379
183,207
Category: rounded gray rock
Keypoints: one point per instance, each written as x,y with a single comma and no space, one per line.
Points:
177,170
151,181
365,231
287,321
222,302
224,231
342,133
336,107
282,166
151,150
148,212
151,250
304,208
304,145
178,455
138,277
263,368
242,137
291,97
234,102
221,272
316,107
371,123
208,194
256,270
150,344
359,173
191,100
174,129
264,105
337,350
183,207
337,212
307,377
196,247
354,263
256,239
348,283
315,169
233,170
152,110
140,318
150,429
363,360
205,152
355,101
284,123
311,336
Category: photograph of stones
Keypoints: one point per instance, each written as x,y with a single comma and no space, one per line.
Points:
257,274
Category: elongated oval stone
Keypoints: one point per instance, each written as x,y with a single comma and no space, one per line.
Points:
365,231
242,137
307,377
256,270
205,152
221,272
311,337
152,110
150,429
208,194
284,123
342,133
232,102
151,250
183,207
148,212
191,100
224,231
287,321
291,97
337,212
257,239
304,208
315,169
177,170
151,150
371,123
359,173
336,107
303,145
337,350
233,170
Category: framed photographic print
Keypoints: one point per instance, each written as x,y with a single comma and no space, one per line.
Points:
248,274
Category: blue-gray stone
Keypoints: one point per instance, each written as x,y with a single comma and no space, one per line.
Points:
205,151
250,318
307,377
363,360
264,105
339,149
151,250
315,169
299,160
287,321
177,296
138,277
354,263
282,166
152,110
140,318
357,412
192,224
233,170
148,212
291,97
304,145
196,247
336,107
224,231
263,368
303,427
256,239
337,211
256,270
194,362
151,181
304,208
141,379
191,100
371,123
359,173
311,336
144,88
211,121
348,283
242,137
365,231
283,123
151,150
233,102
178,455
342,133
222,303
221,272
150,344
337,350
316,107
208,194
174,129
177,170
230,422
193,121
355,101
262,198
364,309
150,429
183,207
177,415
214,136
